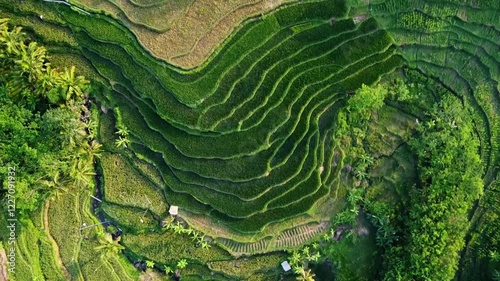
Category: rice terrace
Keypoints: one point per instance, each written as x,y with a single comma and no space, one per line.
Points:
250,140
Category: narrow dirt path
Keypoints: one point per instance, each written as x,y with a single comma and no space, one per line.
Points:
3,265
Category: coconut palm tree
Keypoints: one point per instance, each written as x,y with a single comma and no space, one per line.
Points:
108,246
305,275
496,275
55,186
122,142
72,85
150,264
361,175
205,245
495,256
167,269
327,237
195,236
366,159
355,196
122,131
81,172
93,150
32,61
91,126
296,258
181,264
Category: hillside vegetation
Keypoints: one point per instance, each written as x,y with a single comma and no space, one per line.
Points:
356,139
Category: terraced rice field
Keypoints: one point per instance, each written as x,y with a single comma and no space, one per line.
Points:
457,43
246,138
183,33
244,143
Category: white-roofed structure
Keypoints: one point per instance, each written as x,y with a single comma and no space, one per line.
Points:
286,266
174,210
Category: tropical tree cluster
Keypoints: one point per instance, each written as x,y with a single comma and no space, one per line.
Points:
44,124
300,259
176,271
450,171
196,236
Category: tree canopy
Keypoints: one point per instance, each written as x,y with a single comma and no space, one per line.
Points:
43,123
450,172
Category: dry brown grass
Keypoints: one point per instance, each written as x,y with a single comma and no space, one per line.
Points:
187,33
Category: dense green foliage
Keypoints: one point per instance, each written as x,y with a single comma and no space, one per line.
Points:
284,118
47,150
248,158
42,135
252,139
450,172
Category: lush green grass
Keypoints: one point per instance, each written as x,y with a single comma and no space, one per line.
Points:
245,267
242,136
131,219
457,43
169,247
124,186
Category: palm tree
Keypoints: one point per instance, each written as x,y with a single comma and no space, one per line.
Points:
326,237
366,159
108,245
305,275
305,250
47,83
361,175
122,142
167,269
496,275
55,186
122,131
205,245
91,126
81,172
495,256
11,38
72,85
93,150
195,235
181,264
150,264
296,258
168,225
354,196
32,61
429,124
